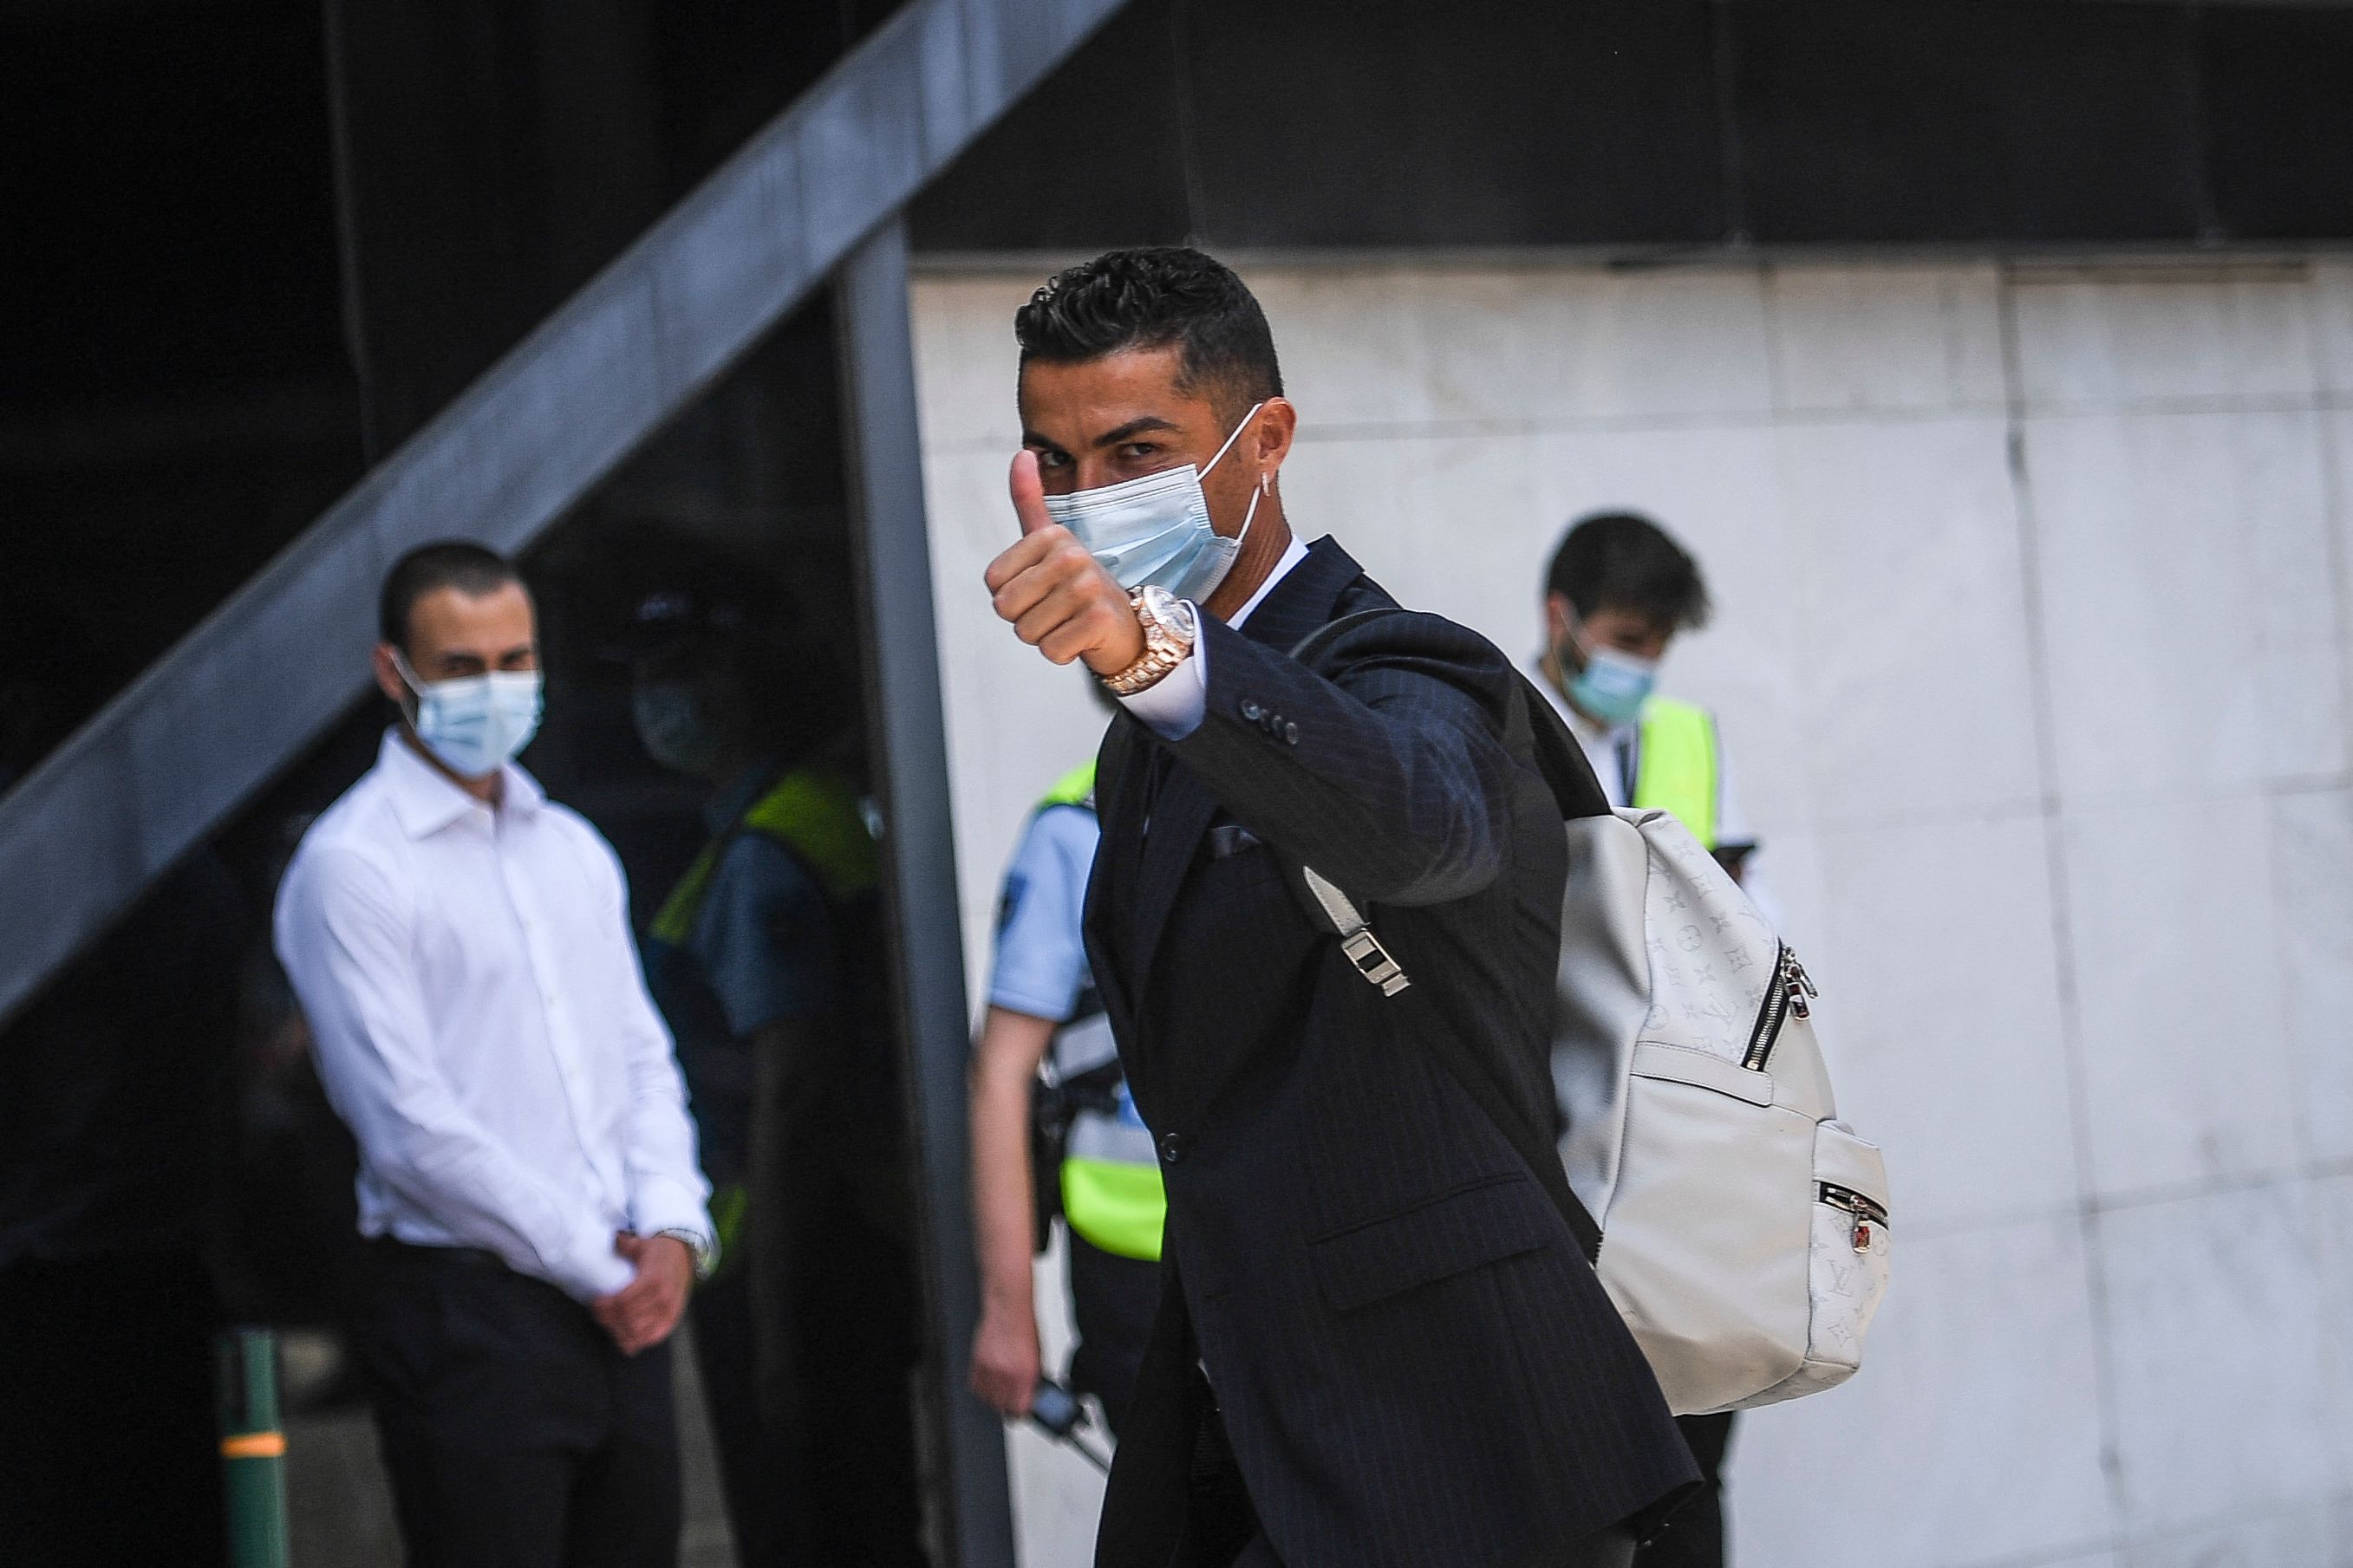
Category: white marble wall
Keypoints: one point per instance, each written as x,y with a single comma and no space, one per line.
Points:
2034,649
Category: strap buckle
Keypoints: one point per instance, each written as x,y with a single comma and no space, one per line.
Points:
1373,961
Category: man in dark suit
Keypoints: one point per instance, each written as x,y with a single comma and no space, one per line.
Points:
1378,1341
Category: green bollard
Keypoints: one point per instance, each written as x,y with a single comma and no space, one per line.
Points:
253,1450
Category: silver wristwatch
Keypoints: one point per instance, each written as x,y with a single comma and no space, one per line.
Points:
1169,633
698,1247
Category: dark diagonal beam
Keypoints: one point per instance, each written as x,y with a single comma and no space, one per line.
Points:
248,691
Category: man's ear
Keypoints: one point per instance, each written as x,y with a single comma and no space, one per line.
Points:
1276,424
1558,618
387,677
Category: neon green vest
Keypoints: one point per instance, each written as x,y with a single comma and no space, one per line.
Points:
1678,771
1112,1192
814,815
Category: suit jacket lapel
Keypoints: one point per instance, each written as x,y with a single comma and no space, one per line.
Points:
1185,808
1119,809
1180,816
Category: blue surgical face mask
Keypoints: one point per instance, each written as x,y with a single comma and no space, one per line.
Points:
1613,686
474,725
1156,532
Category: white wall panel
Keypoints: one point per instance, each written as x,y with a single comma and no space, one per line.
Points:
2188,601
1939,987
2311,855
2164,335
2186,1067
1972,1437
2332,306
2226,1394
1911,628
1878,338
2266,1540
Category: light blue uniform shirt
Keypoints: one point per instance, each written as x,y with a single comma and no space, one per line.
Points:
1041,954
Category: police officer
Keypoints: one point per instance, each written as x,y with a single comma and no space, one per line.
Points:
767,959
1618,593
1043,1006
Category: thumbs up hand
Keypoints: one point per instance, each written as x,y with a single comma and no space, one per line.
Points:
1055,594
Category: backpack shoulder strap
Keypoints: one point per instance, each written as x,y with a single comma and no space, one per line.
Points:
1555,753
1330,906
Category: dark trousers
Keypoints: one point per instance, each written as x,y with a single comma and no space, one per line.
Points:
1221,1528
807,1342
109,1446
516,1433
763,1477
1112,1299
1692,1536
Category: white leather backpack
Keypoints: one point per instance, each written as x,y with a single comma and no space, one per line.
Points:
1739,1226
1743,1228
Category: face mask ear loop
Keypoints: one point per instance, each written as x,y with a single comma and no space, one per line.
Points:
1234,438
1251,515
1248,518
1575,642
416,703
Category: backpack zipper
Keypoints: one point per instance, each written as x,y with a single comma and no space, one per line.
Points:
1785,994
1865,1213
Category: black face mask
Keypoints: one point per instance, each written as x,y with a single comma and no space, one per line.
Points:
673,728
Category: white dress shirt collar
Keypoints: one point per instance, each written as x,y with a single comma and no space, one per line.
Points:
1173,706
426,800
1293,554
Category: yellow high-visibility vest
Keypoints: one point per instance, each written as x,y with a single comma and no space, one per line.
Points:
811,812
1678,770
815,815
1112,1191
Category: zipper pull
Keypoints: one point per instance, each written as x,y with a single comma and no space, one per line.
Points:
1797,984
1862,1233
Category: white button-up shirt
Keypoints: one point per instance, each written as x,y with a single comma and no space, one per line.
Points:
482,1025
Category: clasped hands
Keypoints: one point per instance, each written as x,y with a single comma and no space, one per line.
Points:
642,1313
1057,597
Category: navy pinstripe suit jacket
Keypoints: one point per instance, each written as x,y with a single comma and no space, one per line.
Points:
1414,1362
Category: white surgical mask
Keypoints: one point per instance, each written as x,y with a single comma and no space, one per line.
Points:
1156,532
475,723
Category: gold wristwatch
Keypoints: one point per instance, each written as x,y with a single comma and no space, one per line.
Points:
1170,631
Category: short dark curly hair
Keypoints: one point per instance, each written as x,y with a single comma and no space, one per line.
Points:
458,563
1623,561
1153,298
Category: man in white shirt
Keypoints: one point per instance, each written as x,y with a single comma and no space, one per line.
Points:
460,945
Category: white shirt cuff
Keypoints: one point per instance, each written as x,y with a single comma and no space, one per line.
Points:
660,1206
1173,705
594,1268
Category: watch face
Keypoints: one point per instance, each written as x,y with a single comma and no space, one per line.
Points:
1171,612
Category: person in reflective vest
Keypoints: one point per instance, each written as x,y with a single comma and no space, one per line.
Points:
1618,593
767,959
1095,1161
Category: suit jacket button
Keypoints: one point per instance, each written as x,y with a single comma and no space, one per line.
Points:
1250,711
1172,1148
1291,734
